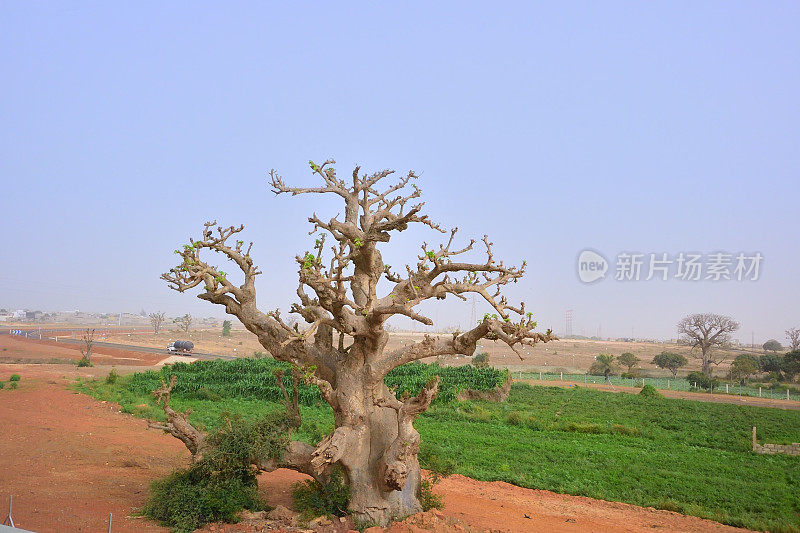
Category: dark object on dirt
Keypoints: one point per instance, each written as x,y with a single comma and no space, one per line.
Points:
181,346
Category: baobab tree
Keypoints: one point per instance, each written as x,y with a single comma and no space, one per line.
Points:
343,349
157,320
705,332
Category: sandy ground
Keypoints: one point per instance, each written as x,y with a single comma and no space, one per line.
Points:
70,460
569,355
16,349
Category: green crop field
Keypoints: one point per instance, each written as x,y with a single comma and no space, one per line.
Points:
686,456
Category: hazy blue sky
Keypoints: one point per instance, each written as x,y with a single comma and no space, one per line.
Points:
648,127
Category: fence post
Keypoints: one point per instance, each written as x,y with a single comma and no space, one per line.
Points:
9,521
726,388
562,378
667,384
540,376
787,394
759,392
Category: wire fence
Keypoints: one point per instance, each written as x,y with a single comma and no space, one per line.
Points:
732,389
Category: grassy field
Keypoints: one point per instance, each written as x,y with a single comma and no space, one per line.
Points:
775,392
680,455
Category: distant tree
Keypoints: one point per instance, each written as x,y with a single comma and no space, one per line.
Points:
184,322
670,361
481,360
603,366
628,360
156,320
705,332
226,328
793,336
86,349
770,362
743,367
791,365
772,346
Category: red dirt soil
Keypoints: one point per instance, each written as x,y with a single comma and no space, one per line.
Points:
15,349
69,460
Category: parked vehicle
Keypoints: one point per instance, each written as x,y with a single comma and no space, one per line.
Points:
182,347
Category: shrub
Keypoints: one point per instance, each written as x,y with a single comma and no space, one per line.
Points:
84,362
703,381
534,424
223,482
14,377
439,466
207,394
112,377
188,499
2,384
313,498
429,499
13,385
625,430
514,418
648,391
481,360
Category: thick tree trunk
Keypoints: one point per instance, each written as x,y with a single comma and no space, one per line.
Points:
706,365
382,471
371,501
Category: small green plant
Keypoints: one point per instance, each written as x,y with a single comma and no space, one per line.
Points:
112,377
480,360
514,418
83,362
12,385
648,391
204,393
439,466
534,423
14,377
313,498
427,498
2,384
625,430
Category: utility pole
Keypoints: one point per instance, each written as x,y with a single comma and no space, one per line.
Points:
568,323
473,317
